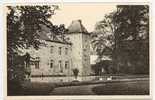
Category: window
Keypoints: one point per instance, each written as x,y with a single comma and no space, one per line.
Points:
37,58
51,64
60,66
51,50
84,49
66,64
36,63
66,51
59,50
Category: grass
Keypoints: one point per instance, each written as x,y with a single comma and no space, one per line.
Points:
43,88
123,88
36,88
114,87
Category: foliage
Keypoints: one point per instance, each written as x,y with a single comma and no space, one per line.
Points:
23,23
132,38
132,22
102,64
126,32
103,36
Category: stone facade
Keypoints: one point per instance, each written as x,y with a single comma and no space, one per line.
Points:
80,38
61,57
54,59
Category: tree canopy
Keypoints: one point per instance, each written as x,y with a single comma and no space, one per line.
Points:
126,32
103,36
23,23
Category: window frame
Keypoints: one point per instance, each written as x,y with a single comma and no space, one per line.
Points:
51,62
66,51
66,63
60,66
60,50
37,63
51,49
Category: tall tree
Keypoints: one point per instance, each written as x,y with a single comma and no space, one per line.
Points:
103,39
128,29
132,36
132,22
103,36
23,23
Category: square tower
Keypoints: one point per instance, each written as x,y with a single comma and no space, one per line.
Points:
80,39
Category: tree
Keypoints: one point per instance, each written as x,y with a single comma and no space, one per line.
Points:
132,36
125,33
59,30
23,23
103,37
104,64
132,21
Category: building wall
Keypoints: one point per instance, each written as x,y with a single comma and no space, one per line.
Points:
86,54
46,55
81,52
76,40
78,56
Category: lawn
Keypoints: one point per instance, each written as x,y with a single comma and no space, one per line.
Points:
140,87
35,88
137,86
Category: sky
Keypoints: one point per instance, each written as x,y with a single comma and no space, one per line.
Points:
88,13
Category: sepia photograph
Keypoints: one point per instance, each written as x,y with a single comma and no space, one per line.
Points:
77,49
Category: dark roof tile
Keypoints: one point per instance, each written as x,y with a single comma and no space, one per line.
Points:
77,27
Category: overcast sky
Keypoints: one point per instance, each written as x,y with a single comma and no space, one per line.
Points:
88,13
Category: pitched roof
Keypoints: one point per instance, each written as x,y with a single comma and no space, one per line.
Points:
45,34
77,27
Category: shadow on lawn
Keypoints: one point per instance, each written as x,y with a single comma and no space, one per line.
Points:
123,88
28,88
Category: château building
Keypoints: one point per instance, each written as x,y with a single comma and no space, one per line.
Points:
58,56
